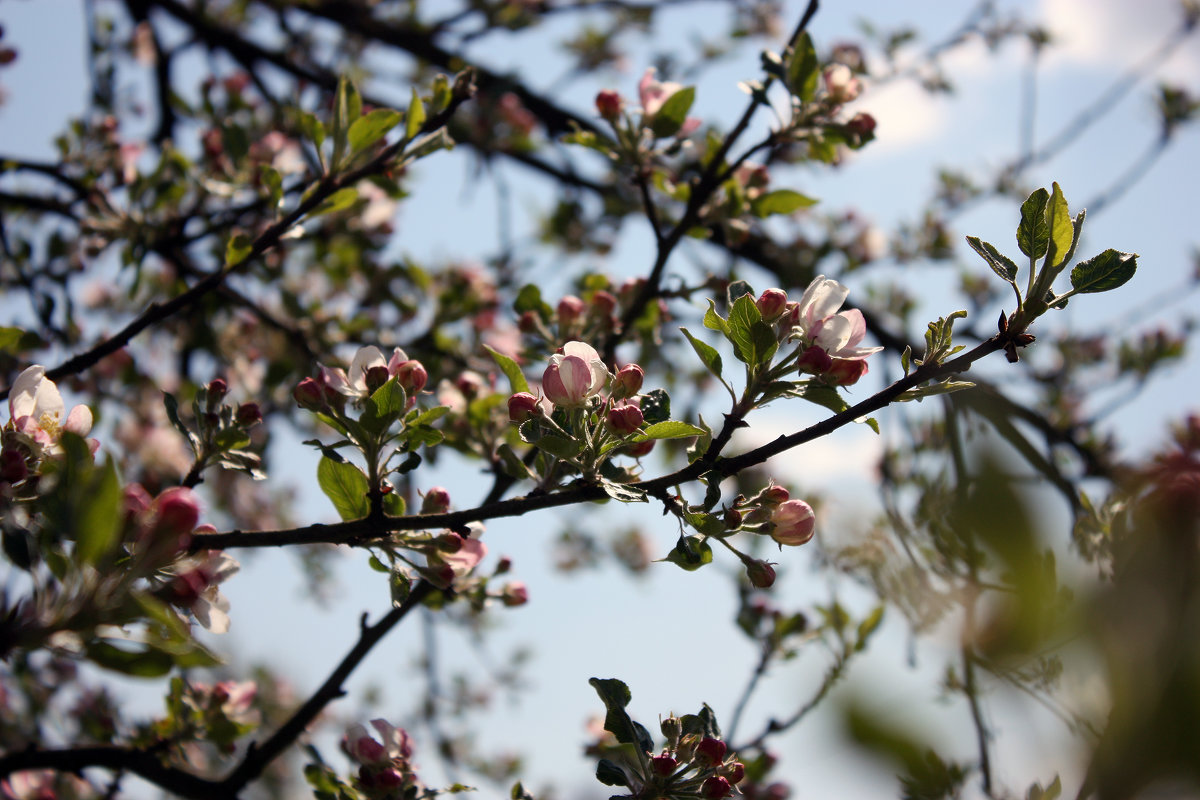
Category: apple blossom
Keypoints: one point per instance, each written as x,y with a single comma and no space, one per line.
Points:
194,587
653,93
435,501
772,304
794,523
819,324
514,594
624,418
575,375
841,84
715,787
36,409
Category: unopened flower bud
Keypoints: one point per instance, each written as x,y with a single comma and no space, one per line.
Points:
715,786
794,523
671,728
523,406
624,419
448,542
609,104
309,395
469,383
603,304
846,371
12,466
628,381
248,415
814,360
861,124
663,764
503,565
177,510
514,594
710,751
375,377
217,389
772,304
412,376
733,519
773,495
761,574
640,449
841,84
528,322
436,501
570,309
734,772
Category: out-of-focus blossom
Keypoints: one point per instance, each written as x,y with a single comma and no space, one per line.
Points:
652,93
841,84
575,375
609,104
36,409
861,124
194,587
794,523
514,594
435,501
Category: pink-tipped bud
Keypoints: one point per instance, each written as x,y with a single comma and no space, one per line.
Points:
733,519
469,383
603,304
715,787
570,309
624,419
773,495
861,124
217,389
628,381
710,751
248,415
448,542
794,523
389,779
761,574
846,371
734,772
515,594
503,565
814,360
609,104
772,304
177,510
841,84
412,376
436,501
640,449
663,765
528,322
309,395
376,376
523,406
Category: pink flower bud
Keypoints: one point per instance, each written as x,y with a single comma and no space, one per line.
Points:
603,304
663,764
841,84
412,376
624,419
503,565
772,304
570,381
570,309
814,360
217,389
309,395
448,542
436,501
515,594
523,406
177,510
715,786
861,124
794,523
248,415
609,104
710,751
846,371
628,381
375,377
641,448
734,772
733,519
773,495
761,575
390,778
528,322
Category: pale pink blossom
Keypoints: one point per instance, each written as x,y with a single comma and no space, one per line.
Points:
575,375
841,84
36,409
652,93
195,587
818,322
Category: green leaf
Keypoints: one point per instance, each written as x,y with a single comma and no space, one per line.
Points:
560,446
743,316
1062,231
15,340
338,201
824,395
145,663
615,695
231,439
370,128
511,370
690,553
1001,264
347,105
100,516
1104,272
1033,234
670,429
930,389
512,464
389,400
346,486
624,493
708,354
673,113
414,118
656,406
803,69
237,249
867,627
608,773
312,129
172,407
714,321
780,201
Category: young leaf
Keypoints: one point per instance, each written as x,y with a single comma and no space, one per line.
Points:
780,201
714,321
670,429
690,553
237,249
708,354
616,695
1001,264
99,521
673,113
656,406
1033,234
803,69
370,128
742,317
1104,272
626,494
1061,230
415,117
346,486
510,368
338,201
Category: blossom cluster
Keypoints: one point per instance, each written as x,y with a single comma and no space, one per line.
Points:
385,767
36,424
369,370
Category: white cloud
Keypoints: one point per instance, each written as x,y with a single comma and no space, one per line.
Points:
905,114
1115,33
849,455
